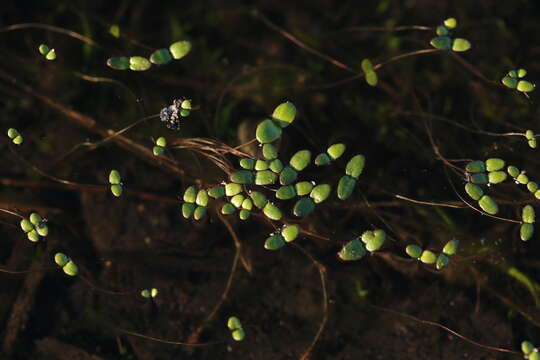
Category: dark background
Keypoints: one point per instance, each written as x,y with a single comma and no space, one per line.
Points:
239,69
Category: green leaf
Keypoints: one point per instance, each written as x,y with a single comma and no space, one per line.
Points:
355,166
460,45
238,334
43,49
509,82
284,114
61,259
200,212
157,150
428,257
186,104
366,65
258,199
525,86
322,159
320,193
494,164
114,177
12,133
441,43
244,214
376,242
265,177
371,78
51,55
488,205
118,63
274,242
247,204
272,211
234,323
70,268
527,347
527,214
303,188
145,293
522,179
202,198
479,178
286,192
26,225
526,231
512,171
496,177
232,189
269,152
442,261
532,186
18,140
247,163
451,247
351,251
237,200
290,232
160,57
114,30
42,229
441,30
276,166
180,49
336,150
413,251
228,209
33,236
287,176
475,166
117,190
139,63
300,160
521,73
474,191
216,192
261,165
190,195
303,207
345,187
450,23
242,177
267,131
188,209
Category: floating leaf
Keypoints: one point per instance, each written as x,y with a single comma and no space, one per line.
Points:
532,186
190,195
261,165
234,323
265,177
460,45
286,192
351,251
237,200
428,257
35,219
276,166
145,293
526,231
242,177
232,189
186,104
496,177
287,176
527,347
377,241
303,207
247,204
441,43
70,268
272,211
512,171
451,247
200,212
259,199
114,30
488,205
509,82
413,251
247,163
322,159
450,23
494,164
158,150
42,230
521,73
139,63
300,160
114,177
269,152
371,78
228,209
525,86
290,232
475,166
118,63
61,259
43,49
26,225
522,179
479,178
216,192
303,188
355,166
527,214
244,214
336,150
188,209
274,242
180,49
320,193
161,56
267,131
366,65
442,261
474,191
202,198
33,236
345,187
532,143
284,114
441,30
117,190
